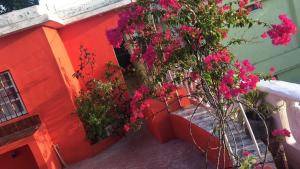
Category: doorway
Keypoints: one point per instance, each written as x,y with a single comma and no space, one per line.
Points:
20,158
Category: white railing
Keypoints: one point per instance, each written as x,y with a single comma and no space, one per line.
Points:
287,97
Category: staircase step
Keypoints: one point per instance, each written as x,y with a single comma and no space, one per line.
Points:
239,141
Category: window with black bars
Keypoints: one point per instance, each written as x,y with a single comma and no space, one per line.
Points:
11,105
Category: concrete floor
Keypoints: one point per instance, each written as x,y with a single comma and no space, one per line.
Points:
141,151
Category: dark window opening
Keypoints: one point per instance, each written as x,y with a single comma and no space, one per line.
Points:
123,57
130,76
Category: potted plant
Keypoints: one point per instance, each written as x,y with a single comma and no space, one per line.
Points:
259,111
102,104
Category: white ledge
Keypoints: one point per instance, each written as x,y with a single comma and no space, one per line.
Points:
286,90
53,11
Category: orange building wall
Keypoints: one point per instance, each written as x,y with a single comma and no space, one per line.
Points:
41,62
91,33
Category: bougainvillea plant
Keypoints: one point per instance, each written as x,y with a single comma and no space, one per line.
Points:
187,37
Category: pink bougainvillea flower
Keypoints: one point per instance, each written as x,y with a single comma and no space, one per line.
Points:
126,128
221,56
144,89
223,32
281,34
243,3
133,119
249,67
194,76
272,70
219,1
141,115
168,34
272,73
264,35
226,8
281,133
192,31
135,54
169,3
166,88
115,37
247,153
232,86
169,86
149,56
258,4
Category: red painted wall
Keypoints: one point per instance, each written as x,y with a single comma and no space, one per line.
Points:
165,126
38,77
23,159
91,33
41,62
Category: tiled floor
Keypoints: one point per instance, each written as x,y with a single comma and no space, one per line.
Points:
141,151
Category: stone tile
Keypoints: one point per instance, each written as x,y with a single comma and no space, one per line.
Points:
141,151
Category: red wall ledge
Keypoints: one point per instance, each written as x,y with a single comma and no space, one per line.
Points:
19,129
165,126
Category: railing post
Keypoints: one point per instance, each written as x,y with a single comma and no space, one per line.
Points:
230,149
250,130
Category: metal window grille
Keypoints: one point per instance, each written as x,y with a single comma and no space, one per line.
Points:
11,104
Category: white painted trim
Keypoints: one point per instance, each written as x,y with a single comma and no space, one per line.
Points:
285,90
36,15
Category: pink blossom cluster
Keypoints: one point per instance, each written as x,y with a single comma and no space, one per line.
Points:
243,3
170,49
240,80
219,1
149,56
192,31
165,89
216,58
224,8
170,3
194,76
281,34
137,106
247,154
167,38
281,133
135,54
115,36
258,4
272,73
